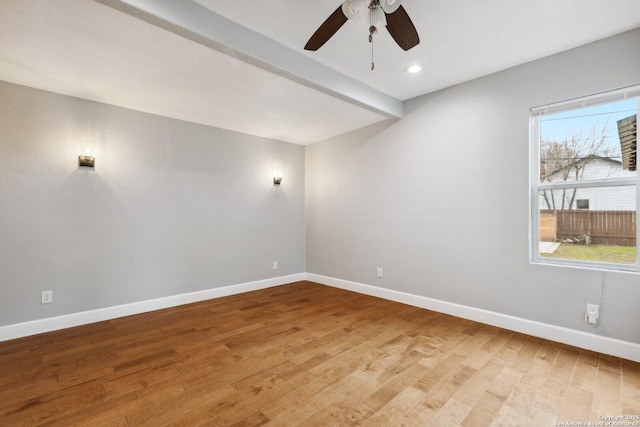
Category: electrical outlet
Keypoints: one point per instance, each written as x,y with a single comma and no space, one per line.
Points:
593,314
47,297
380,272
275,265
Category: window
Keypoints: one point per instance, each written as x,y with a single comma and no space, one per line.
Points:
582,203
584,183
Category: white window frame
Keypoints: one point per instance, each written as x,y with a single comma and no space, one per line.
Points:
536,186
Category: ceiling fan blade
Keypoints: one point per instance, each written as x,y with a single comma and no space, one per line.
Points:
401,29
326,30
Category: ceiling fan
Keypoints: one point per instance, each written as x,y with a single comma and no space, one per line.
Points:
380,13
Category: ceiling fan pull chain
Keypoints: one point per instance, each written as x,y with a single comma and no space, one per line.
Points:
372,64
372,30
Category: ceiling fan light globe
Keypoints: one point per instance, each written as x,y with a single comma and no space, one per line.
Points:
352,9
390,6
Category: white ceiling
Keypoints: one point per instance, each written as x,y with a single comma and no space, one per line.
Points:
198,66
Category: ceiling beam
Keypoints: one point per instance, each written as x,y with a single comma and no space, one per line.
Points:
201,25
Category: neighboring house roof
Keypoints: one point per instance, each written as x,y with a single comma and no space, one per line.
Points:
628,132
549,174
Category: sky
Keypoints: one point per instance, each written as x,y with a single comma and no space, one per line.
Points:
561,126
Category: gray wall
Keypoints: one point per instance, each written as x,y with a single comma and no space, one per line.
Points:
439,199
172,207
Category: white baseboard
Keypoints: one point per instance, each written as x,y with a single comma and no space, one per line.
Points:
606,345
39,326
598,343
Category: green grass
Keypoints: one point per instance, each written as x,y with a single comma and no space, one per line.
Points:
599,253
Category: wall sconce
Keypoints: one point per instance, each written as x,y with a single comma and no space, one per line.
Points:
86,160
277,180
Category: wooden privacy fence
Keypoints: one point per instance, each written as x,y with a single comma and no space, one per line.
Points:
605,227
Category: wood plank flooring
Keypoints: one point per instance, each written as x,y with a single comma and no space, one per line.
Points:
305,354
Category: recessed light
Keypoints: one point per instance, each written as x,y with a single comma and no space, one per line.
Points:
414,69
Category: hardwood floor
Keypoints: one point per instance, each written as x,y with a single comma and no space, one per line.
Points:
305,354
